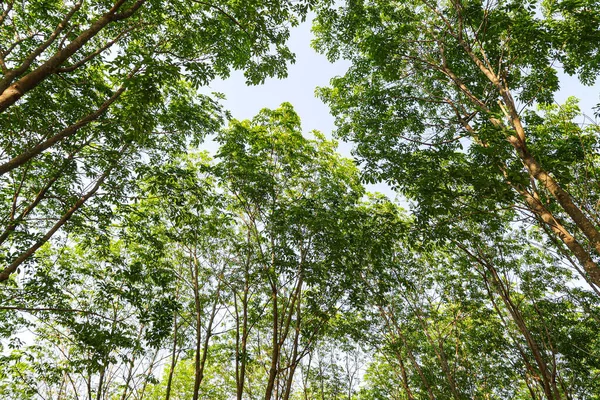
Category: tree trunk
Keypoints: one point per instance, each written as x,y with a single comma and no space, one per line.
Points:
241,349
100,383
275,344
173,358
294,359
441,355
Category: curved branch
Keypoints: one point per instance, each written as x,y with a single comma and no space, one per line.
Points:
14,92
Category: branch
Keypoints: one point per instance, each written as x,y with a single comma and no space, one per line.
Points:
5,12
235,21
90,56
22,158
11,94
12,74
35,309
41,194
11,268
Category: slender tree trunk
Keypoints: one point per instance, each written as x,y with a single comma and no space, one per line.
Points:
63,385
201,348
438,348
294,359
89,386
275,344
322,380
237,345
389,319
305,377
198,320
128,379
289,382
142,392
100,383
291,308
530,370
241,349
404,378
205,349
173,358
549,385
124,395
394,330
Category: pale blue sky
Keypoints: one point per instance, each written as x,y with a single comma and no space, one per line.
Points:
309,71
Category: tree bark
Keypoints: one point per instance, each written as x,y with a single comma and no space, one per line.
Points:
293,363
275,344
582,255
15,91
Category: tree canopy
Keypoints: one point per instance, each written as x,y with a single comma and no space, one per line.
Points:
441,100
137,265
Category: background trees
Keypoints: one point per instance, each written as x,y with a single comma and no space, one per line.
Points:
268,273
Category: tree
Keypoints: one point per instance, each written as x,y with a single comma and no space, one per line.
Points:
439,101
87,87
290,195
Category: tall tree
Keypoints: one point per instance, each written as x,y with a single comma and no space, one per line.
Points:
439,101
88,86
290,194
480,318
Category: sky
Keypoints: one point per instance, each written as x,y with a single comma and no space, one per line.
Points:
309,71
312,70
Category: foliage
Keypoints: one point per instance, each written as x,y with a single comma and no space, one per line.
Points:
136,266
440,103
91,90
